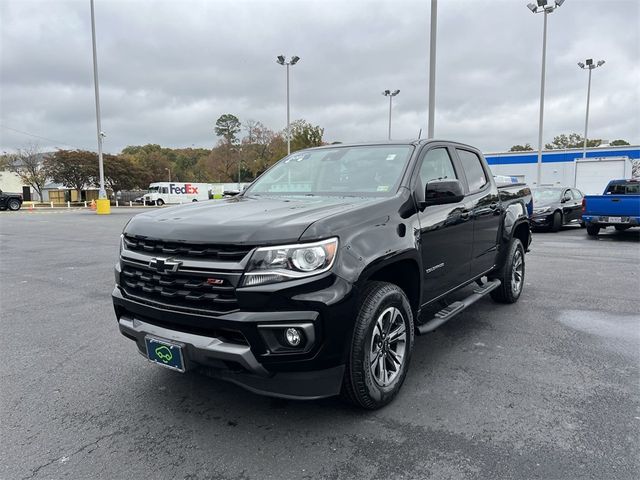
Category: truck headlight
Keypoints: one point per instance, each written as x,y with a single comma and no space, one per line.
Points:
288,262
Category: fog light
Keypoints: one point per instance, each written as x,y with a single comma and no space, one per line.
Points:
293,336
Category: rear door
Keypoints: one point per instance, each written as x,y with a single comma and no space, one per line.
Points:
446,230
573,206
484,203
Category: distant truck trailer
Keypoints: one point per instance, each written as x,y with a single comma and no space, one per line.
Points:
161,193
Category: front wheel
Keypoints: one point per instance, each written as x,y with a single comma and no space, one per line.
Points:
380,348
511,275
14,204
557,222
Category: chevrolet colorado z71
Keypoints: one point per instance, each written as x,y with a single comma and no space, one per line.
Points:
315,280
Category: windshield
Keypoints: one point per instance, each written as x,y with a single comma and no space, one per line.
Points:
358,171
546,195
153,189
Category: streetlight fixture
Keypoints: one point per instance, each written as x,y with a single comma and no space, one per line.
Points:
588,65
543,6
390,94
103,206
282,61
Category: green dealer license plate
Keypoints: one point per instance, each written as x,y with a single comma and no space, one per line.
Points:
165,353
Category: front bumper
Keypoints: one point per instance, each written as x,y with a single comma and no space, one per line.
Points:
236,363
541,220
240,346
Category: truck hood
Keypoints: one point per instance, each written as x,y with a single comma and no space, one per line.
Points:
248,220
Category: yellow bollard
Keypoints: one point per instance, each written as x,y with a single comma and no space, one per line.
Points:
103,206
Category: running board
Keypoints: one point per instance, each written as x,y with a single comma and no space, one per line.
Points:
447,313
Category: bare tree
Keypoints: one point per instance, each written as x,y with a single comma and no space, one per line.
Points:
28,164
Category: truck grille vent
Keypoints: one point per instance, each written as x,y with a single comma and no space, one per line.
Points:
230,253
184,291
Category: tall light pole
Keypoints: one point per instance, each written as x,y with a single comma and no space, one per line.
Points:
103,202
432,68
542,6
281,60
169,171
390,94
589,66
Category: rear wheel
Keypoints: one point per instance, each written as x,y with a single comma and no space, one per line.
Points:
557,222
592,230
511,275
159,202
14,204
380,348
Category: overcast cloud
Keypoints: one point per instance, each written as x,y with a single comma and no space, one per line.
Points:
169,69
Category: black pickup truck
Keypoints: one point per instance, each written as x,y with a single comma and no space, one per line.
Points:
11,201
315,280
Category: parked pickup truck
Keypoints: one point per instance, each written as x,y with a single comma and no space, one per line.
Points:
316,279
619,207
11,201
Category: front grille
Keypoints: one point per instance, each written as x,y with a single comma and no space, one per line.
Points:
230,253
186,291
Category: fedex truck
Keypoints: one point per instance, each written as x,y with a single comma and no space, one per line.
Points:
176,192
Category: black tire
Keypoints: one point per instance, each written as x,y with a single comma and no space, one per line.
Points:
361,385
159,202
14,204
557,222
194,200
511,274
592,230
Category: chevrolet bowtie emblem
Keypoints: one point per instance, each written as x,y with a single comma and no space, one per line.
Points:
165,265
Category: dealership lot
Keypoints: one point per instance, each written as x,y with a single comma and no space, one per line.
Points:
546,388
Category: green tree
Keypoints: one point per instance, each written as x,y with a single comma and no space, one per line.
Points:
521,148
122,173
153,161
76,169
305,135
573,140
227,127
617,143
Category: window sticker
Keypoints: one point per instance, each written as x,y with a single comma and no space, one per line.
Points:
383,188
391,156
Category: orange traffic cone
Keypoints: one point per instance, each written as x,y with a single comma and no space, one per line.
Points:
31,207
93,204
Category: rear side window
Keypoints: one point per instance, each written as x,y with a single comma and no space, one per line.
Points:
623,189
577,194
472,169
436,165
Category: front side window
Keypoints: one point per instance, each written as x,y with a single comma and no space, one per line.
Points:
436,165
473,170
357,171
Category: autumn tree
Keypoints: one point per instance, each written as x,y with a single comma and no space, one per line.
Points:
152,160
73,168
122,173
28,164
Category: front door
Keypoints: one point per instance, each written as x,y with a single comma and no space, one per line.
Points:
446,231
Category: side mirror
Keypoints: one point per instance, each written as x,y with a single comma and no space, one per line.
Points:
441,192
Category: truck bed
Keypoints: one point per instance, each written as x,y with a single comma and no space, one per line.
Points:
612,205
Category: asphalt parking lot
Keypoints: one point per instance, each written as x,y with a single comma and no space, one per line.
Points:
547,388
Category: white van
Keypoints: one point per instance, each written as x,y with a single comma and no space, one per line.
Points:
176,192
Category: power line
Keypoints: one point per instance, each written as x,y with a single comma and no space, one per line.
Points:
40,137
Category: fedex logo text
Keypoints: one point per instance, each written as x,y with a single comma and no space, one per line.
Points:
188,188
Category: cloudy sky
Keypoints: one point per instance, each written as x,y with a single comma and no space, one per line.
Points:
169,69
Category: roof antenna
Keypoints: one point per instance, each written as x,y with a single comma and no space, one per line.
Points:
419,134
